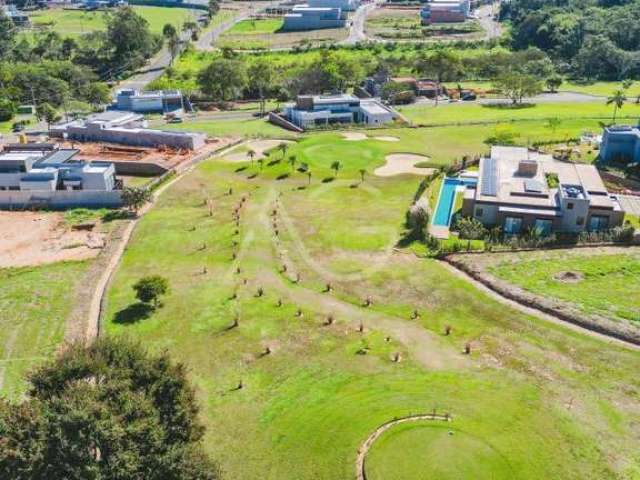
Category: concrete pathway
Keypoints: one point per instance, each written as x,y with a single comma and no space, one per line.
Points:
630,203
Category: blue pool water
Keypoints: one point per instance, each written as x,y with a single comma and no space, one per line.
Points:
447,197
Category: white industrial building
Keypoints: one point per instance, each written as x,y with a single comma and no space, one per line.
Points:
125,128
304,17
317,110
344,5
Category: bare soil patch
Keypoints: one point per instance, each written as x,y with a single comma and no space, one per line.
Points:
260,147
568,277
399,163
35,238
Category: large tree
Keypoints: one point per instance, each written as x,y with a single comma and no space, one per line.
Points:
516,85
7,35
260,75
109,411
130,39
442,64
223,79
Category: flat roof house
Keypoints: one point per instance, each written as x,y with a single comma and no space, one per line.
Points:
344,5
18,17
519,189
53,178
304,17
126,128
620,144
317,110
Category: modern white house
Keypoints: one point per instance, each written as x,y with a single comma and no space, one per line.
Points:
146,102
620,143
519,189
304,17
53,178
126,128
318,110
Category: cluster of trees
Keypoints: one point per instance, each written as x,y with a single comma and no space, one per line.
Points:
110,411
231,76
51,69
593,39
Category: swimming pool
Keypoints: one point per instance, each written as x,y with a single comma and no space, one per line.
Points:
447,197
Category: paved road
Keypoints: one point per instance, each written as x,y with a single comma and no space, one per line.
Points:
205,42
356,31
486,15
559,97
630,204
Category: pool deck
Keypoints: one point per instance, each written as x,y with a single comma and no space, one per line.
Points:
439,231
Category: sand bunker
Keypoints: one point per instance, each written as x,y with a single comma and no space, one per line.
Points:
568,277
28,238
354,136
387,139
260,147
399,163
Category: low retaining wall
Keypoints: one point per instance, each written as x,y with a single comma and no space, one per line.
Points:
280,121
617,329
59,199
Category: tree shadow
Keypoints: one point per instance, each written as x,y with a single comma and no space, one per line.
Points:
508,106
133,313
328,179
240,169
273,162
252,176
282,176
112,215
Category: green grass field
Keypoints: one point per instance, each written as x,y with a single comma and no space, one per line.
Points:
73,23
552,402
256,26
604,289
34,305
460,113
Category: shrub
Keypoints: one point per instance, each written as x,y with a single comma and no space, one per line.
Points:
470,228
149,289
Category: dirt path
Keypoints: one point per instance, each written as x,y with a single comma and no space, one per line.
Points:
366,446
537,313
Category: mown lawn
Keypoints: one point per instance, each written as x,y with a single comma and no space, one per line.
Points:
34,305
73,23
256,26
605,289
553,402
463,112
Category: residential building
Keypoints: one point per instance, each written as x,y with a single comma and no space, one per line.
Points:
445,11
620,144
318,110
303,17
125,128
147,102
519,189
43,169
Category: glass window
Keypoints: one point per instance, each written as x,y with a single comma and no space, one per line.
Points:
569,206
478,212
543,226
512,225
598,222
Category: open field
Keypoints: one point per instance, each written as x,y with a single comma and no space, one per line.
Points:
465,112
34,305
404,24
553,403
601,286
265,33
602,89
73,23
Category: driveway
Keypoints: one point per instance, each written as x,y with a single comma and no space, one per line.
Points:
630,204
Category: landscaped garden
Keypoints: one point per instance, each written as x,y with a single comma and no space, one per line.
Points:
305,330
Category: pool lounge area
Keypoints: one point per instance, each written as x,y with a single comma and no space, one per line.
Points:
441,219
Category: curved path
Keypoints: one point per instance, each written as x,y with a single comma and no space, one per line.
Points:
366,446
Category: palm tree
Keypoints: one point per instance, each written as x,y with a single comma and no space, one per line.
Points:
309,176
251,154
335,166
617,99
260,162
292,161
283,148
363,172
